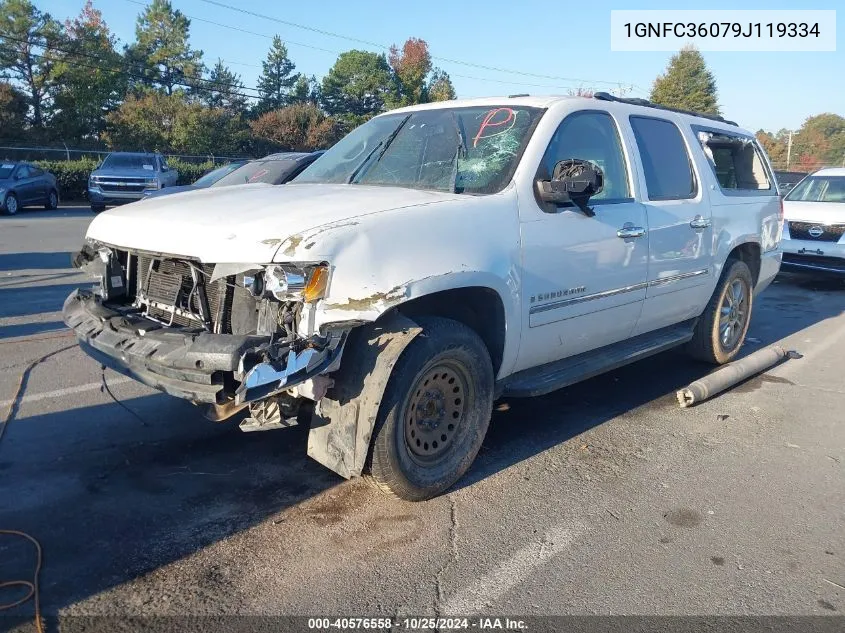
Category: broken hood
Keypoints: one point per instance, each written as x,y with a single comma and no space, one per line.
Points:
244,223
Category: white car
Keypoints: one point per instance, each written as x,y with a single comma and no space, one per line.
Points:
436,258
814,226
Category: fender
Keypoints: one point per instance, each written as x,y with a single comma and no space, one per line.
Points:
343,420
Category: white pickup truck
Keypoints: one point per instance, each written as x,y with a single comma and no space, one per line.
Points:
435,259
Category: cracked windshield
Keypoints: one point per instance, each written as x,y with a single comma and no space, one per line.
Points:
462,150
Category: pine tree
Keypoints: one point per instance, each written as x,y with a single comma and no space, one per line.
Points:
277,78
223,89
687,84
440,86
162,53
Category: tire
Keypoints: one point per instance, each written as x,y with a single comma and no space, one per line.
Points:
10,204
96,208
424,441
710,342
52,200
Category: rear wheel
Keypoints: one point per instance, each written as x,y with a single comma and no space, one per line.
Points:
10,204
722,327
434,413
52,200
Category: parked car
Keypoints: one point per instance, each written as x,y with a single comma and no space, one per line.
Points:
275,169
814,226
24,184
125,176
436,258
206,180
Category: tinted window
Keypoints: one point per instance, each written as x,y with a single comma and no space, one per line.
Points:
819,189
130,161
23,172
270,171
35,171
666,163
590,136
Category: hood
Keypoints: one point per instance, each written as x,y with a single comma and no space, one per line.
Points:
126,172
245,223
819,212
157,193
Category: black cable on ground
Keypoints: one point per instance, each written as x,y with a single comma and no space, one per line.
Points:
118,402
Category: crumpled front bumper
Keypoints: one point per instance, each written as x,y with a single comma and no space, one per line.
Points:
198,366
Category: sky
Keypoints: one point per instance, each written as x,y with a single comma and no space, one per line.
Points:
570,41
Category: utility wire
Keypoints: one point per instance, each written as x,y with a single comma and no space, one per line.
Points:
133,65
142,77
384,47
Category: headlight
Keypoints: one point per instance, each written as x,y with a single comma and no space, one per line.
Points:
151,183
2,190
289,282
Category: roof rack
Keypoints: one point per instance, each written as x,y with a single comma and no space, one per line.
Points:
606,96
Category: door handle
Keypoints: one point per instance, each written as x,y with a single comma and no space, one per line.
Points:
628,230
699,223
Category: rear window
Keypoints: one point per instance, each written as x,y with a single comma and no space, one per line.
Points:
269,171
736,161
130,161
666,162
819,189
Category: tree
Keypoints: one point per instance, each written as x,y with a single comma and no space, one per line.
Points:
775,147
358,86
223,89
305,90
154,121
821,140
302,128
12,113
145,121
89,76
687,84
161,54
28,42
440,86
411,66
277,78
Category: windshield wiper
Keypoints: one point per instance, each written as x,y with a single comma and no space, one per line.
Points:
460,151
383,145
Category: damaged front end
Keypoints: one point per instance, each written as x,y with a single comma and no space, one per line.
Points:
228,336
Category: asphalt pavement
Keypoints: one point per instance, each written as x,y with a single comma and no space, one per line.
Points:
603,498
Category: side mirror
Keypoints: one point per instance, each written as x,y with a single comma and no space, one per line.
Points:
573,181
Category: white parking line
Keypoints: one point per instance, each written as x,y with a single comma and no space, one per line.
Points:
475,598
67,391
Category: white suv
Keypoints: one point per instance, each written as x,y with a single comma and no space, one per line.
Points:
436,258
814,227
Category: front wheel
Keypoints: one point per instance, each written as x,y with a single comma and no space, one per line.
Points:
434,413
722,327
10,204
52,201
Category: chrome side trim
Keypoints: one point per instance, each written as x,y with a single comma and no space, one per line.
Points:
668,280
598,295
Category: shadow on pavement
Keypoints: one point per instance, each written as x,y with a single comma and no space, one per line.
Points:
27,329
16,302
111,499
34,261
38,213
532,425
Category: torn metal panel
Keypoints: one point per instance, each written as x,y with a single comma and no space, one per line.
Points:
343,421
